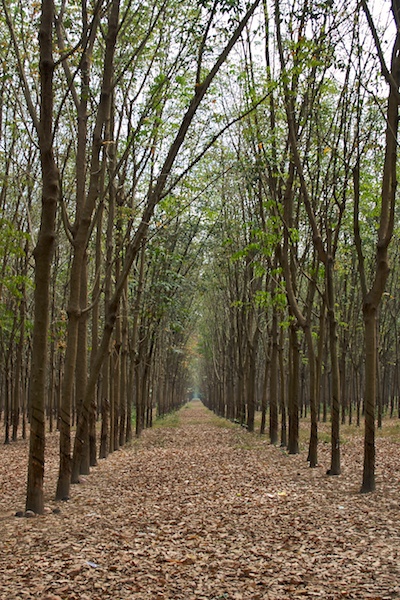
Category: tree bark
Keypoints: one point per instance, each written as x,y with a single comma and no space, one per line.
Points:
273,385
293,408
43,255
333,347
283,386
372,297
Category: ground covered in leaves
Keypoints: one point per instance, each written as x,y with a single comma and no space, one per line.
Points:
199,509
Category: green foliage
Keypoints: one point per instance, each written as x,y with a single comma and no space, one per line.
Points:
262,299
12,281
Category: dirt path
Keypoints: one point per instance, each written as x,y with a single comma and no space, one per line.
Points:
205,512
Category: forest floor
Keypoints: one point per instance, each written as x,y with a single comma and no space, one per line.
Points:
199,509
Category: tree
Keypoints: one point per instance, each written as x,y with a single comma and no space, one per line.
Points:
372,295
43,254
85,208
322,150
154,196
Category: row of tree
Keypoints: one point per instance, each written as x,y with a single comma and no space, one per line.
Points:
172,173
98,133
304,249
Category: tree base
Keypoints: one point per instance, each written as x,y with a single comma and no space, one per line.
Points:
333,472
367,489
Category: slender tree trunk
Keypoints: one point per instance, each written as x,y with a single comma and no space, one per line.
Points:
43,255
124,368
333,347
82,361
251,388
116,382
105,409
273,386
368,484
74,312
313,445
134,341
80,243
7,403
293,446
18,368
282,374
264,400
116,359
51,394
373,296
95,341
24,395
139,397
129,397
230,392
379,386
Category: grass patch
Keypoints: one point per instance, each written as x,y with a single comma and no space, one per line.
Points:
216,421
352,433
170,420
348,433
390,430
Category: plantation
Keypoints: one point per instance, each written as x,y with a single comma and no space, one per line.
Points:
199,202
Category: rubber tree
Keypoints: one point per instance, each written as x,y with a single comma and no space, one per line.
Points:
79,231
43,253
323,198
372,295
202,84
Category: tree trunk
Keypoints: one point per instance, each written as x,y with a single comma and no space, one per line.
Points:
82,361
124,369
264,400
333,347
368,484
251,388
293,446
313,444
7,404
18,368
95,341
43,255
282,375
273,386
105,409
83,224
372,298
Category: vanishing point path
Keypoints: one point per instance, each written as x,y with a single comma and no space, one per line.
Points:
201,510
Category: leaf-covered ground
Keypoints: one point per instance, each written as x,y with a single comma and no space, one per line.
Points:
204,511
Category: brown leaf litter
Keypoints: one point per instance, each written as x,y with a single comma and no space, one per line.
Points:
204,512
